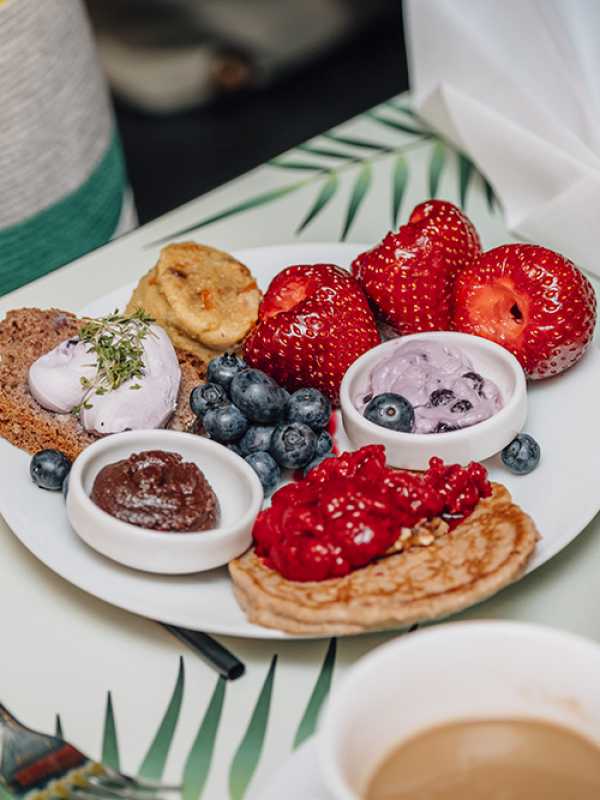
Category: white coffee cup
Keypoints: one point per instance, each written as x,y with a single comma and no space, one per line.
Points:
457,671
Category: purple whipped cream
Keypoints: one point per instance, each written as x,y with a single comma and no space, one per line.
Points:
440,382
55,382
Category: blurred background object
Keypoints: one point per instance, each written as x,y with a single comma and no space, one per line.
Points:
63,188
207,89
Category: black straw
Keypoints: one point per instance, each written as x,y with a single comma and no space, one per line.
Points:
215,655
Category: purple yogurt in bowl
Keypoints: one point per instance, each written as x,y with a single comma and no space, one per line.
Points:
438,379
485,378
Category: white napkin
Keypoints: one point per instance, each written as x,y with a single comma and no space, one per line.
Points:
516,85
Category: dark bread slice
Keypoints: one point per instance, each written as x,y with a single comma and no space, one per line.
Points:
25,335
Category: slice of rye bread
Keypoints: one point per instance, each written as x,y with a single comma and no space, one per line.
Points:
25,335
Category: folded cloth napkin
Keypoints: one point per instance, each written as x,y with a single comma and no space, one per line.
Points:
62,178
516,85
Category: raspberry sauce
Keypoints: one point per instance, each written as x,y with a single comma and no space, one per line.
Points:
351,509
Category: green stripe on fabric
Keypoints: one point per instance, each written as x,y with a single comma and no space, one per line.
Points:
83,220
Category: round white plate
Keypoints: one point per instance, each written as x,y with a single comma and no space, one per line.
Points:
562,495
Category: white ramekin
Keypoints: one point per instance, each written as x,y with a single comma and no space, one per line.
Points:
234,482
454,672
476,443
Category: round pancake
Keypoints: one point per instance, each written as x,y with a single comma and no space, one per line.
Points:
213,297
148,295
481,556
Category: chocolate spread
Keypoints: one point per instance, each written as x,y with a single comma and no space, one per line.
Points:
157,490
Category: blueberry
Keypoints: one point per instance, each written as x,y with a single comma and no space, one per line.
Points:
65,486
266,468
324,443
222,369
522,455
293,445
208,395
461,406
441,397
444,427
49,468
225,423
311,407
258,396
257,438
391,411
316,461
235,449
476,380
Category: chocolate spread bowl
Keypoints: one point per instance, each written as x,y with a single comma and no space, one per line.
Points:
237,489
474,443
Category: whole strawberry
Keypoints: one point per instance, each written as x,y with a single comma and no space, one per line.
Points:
409,276
446,224
531,300
314,321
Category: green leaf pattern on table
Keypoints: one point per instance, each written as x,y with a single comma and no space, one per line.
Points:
58,729
309,720
253,202
110,743
396,125
436,165
399,181
198,762
296,165
326,151
250,748
489,194
197,765
153,765
328,189
324,163
465,170
359,190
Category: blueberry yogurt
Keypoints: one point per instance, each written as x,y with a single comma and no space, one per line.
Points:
440,382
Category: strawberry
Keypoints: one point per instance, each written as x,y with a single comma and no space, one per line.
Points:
409,276
531,300
314,321
448,226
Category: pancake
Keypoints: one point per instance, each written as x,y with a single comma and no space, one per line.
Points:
205,299
482,555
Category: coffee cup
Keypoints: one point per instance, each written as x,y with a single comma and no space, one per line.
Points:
449,673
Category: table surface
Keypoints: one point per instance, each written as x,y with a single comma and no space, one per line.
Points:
70,654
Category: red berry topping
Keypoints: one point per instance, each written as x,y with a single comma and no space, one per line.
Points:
409,276
314,321
351,509
531,300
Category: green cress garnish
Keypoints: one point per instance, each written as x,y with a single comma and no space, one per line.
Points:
117,343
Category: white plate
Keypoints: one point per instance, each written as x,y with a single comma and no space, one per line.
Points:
562,495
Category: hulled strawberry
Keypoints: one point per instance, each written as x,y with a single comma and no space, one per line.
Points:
409,276
531,300
314,321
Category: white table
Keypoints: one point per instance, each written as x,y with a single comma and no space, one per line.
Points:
64,650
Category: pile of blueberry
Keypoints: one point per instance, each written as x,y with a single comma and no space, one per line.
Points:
246,410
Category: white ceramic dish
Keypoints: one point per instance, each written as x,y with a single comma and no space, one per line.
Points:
491,670
476,443
495,669
561,494
234,483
